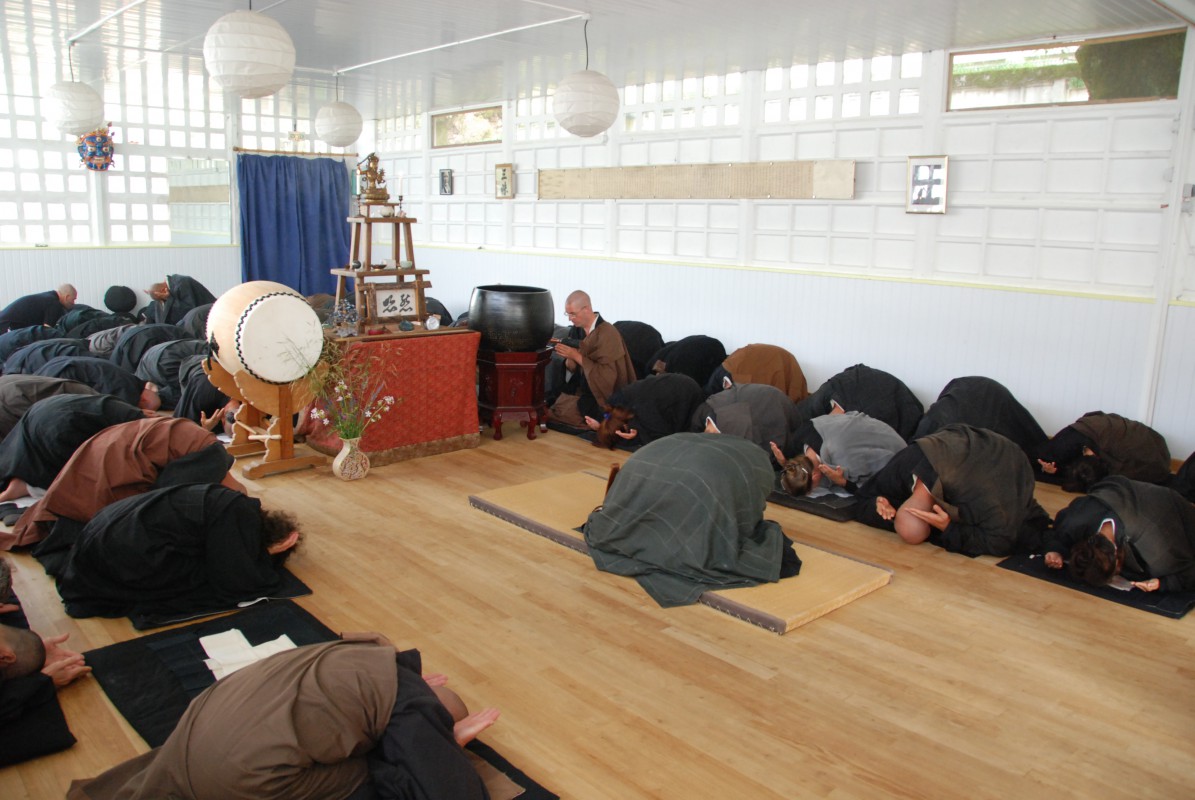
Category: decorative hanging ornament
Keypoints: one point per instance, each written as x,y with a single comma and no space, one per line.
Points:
585,103
96,149
249,54
338,124
73,108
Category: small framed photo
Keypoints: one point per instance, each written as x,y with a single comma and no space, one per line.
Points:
445,181
391,301
504,181
927,185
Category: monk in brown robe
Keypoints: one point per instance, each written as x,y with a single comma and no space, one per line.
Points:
762,363
298,726
121,461
600,364
1099,444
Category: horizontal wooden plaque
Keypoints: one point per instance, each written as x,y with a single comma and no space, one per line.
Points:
777,180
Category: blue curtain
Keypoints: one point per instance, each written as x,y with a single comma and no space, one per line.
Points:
293,220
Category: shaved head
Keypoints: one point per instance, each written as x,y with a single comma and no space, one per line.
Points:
22,652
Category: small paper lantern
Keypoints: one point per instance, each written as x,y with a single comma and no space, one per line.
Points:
338,124
249,54
73,108
585,103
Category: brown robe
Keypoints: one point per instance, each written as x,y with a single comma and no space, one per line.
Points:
118,462
607,367
1129,448
293,727
767,363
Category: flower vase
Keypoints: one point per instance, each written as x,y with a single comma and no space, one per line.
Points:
351,462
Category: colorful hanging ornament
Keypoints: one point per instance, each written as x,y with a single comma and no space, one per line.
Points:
96,148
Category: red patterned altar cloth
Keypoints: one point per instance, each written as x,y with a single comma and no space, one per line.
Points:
435,379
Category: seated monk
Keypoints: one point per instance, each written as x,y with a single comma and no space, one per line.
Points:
685,515
18,393
47,436
1137,530
1099,444
596,366
345,719
969,489
983,403
121,461
649,409
840,451
761,363
876,393
105,377
171,551
756,412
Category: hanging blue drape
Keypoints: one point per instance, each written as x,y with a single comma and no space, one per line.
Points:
293,220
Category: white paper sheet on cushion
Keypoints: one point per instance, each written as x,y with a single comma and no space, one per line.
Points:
230,651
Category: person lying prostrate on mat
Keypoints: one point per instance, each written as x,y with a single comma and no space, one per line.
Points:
874,392
840,449
967,489
105,377
983,403
1099,444
47,436
348,719
119,462
171,551
18,393
171,299
756,412
685,515
1137,530
597,366
648,409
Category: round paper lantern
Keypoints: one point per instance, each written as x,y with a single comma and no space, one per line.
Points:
585,103
248,54
338,124
73,108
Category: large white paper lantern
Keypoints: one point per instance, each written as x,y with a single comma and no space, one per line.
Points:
338,124
73,108
585,103
249,54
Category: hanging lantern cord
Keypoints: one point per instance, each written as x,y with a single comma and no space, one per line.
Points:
338,87
585,31
70,59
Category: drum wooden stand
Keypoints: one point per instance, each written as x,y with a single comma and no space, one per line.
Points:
261,401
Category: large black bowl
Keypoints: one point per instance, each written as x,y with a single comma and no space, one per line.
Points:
514,319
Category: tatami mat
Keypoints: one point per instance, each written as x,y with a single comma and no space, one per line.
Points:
556,507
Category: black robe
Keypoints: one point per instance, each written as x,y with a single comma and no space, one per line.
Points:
18,393
52,429
98,373
874,392
170,551
161,365
643,342
32,357
186,293
137,340
983,403
980,478
78,315
757,412
696,356
103,322
1155,528
198,397
43,308
17,338
194,322
662,405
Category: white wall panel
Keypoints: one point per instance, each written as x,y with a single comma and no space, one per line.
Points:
1174,409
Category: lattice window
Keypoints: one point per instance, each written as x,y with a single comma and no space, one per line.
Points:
880,86
691,103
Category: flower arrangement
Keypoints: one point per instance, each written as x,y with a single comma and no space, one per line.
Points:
348,390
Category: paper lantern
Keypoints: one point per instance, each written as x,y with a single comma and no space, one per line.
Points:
585,103
248,54
338,124
73,108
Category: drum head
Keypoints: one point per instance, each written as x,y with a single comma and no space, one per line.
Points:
278,338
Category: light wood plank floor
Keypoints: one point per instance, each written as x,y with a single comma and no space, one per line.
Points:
956,680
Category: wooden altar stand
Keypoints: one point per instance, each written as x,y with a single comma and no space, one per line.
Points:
410,283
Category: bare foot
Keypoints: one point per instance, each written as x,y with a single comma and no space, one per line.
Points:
16,488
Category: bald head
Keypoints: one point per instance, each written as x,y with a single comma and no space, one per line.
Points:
579,310
67,295
21,652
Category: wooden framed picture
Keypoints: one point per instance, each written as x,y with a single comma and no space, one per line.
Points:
504,181
394,301
445,181
926,187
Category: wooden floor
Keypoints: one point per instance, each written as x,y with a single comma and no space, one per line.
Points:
958,680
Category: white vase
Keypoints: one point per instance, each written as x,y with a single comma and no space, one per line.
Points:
351,463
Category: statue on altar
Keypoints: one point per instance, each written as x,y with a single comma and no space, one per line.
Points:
372,179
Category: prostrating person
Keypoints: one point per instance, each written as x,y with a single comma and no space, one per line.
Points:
18,393
967,489
685,515
878,394
346,719
1122,527
983,403
171,299
757,412
1097,445
840,451
761,363
43,308
648,409
105,377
